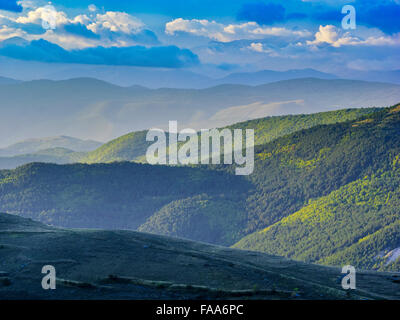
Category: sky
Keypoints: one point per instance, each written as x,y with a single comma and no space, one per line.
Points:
230,36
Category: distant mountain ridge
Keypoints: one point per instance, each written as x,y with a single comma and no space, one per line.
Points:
184,79
4,80
35,145
101,111
51,155
268,76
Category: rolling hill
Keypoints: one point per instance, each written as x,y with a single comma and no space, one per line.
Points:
30,146
111,196
268,76
129,147
337,183
99,264
133,146
60,150
52,155
4,80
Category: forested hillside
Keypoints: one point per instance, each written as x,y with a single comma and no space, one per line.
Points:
331,196
327,194
117,196
133,146
129,147
312,163
341,228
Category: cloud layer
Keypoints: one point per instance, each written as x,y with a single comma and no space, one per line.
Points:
231,32
163,56
246,34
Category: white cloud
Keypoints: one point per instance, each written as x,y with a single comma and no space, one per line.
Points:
7,32
331,35
116,22
230,32
82,19
69,41
383,40
110,21
36,16
122,26
259,47
26,4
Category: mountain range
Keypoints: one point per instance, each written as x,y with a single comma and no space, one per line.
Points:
92,109
326,194
59,150
133,146
4,80
39,144
156,78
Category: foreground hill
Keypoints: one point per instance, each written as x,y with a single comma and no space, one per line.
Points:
130,265
97,109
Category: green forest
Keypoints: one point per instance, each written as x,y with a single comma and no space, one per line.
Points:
325,189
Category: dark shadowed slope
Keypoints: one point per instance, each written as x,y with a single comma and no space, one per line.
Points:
130,265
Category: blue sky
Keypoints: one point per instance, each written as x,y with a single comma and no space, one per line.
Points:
230,36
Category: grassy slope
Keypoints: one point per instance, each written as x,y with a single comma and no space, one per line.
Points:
97,264
128,147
